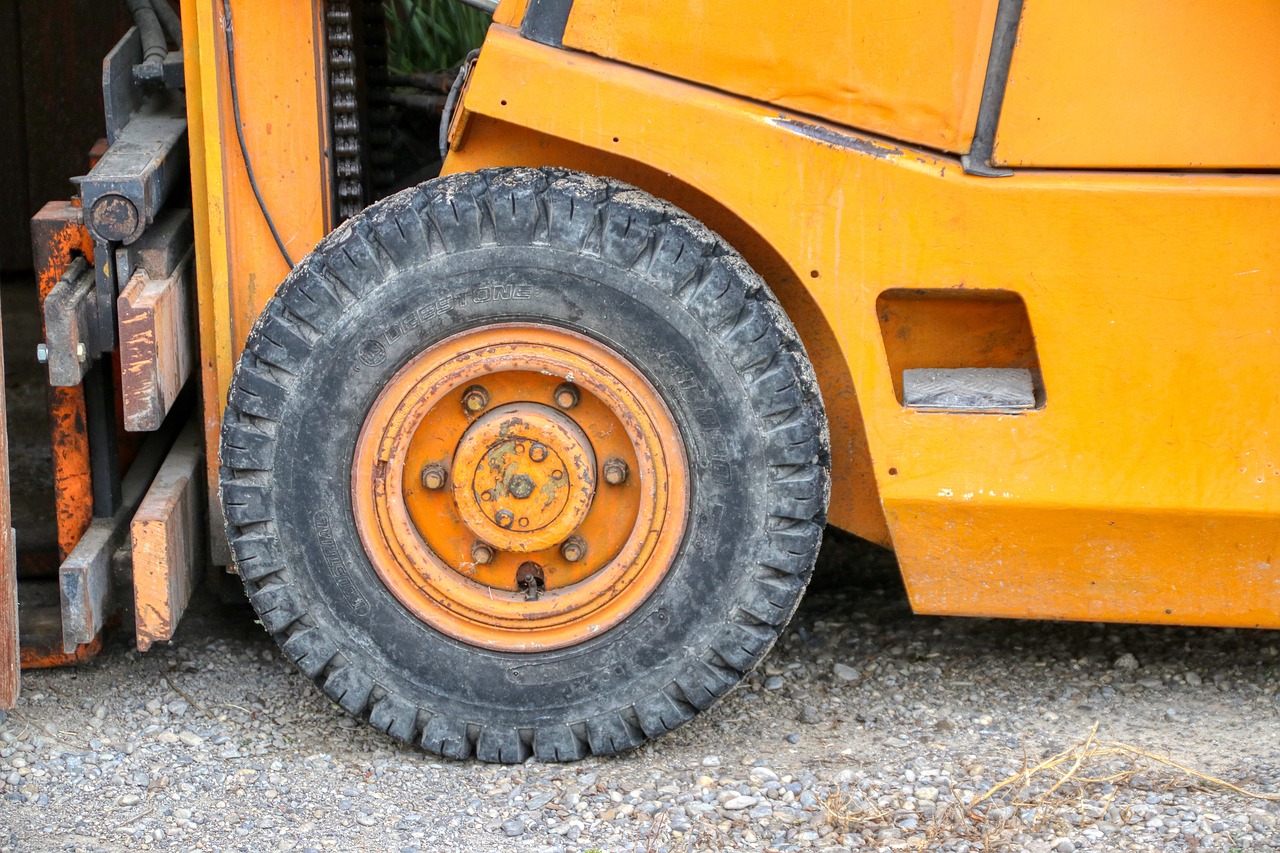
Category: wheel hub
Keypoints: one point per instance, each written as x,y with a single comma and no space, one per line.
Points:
524,477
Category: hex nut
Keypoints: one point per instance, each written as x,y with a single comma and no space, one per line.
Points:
475,398
434,476
615,471
482,553
573,549
567,395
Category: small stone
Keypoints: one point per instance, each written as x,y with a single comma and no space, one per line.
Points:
926,793
844,672
740,802
1193,679
190,738
711,761
809,715
1065,846
773,682
1126,661
130,800
513,827
763,774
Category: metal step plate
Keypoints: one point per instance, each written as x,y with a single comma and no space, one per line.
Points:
998,390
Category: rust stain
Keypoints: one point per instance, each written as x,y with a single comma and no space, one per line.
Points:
51,656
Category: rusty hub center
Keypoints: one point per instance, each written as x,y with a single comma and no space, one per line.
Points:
524,477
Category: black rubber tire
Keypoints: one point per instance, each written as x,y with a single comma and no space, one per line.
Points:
584,253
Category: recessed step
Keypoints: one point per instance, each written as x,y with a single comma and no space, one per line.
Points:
996,390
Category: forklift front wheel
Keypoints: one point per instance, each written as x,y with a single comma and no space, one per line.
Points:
524,462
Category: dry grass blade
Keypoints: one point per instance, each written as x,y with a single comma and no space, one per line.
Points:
1068,767
844,813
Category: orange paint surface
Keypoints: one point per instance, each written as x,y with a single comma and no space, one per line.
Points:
910,69
1154,301
1175,84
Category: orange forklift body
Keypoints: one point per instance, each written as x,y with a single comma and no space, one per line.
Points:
1128,262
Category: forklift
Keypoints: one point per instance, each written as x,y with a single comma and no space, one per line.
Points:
534,458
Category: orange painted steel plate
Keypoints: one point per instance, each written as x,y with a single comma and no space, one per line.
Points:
911,69
421,539
1153,298
280,81
1182,84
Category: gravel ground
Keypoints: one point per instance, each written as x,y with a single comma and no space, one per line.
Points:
867,728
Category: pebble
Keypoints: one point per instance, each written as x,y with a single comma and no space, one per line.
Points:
937,712
844,672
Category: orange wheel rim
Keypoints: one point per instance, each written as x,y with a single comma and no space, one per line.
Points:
520,487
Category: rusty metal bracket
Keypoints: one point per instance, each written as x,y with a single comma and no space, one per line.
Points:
70,321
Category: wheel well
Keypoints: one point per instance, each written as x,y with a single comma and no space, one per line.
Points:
855,501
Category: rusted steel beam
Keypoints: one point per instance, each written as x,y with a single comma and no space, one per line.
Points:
58,236
167,532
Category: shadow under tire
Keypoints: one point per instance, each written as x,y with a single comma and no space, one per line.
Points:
470,279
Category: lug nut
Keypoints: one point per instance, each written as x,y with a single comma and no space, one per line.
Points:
434,476
82,353
42,353
573,549
521,486
481,554
505,518
537,452
475,399
615,471
566,395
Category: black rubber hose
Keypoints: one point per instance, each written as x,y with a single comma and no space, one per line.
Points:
169,21
154,47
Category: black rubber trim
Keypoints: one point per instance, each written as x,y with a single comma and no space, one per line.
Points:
545,21
1003,38
451,102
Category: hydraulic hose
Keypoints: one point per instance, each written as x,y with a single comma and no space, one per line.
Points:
169,21
154,46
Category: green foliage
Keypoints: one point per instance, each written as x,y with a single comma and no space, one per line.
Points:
431,35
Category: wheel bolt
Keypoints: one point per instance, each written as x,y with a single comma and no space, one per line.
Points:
434,476
505,518
537,452
566,395
475,398
615,471
481,553
521,486
573,549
